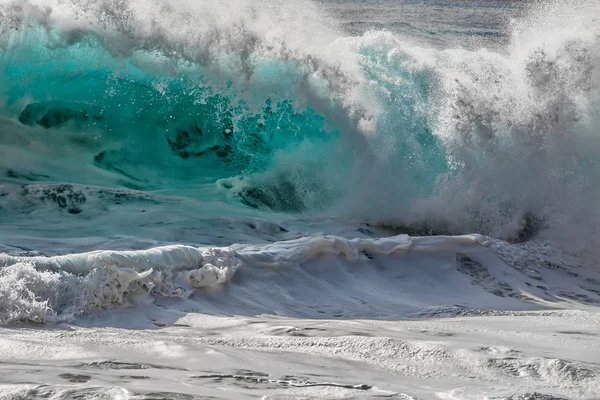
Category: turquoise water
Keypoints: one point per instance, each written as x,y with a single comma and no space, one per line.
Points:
439,117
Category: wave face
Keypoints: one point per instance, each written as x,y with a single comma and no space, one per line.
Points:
284,112
188,121
162,96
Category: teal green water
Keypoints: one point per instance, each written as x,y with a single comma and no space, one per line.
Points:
163,123
303,109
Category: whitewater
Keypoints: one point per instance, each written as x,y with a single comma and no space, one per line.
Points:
333,199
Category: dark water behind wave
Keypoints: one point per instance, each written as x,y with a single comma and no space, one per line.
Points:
439,23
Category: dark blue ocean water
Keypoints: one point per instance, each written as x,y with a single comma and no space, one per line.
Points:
438,23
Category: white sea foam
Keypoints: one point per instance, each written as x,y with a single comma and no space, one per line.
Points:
63,287
395,276
189,292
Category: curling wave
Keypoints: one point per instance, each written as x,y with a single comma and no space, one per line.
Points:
117,115
175,97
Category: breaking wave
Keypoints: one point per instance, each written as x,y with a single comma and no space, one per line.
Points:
271,108
283,112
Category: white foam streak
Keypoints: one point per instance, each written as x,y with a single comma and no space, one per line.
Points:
36,288
304,250
63,287
43,288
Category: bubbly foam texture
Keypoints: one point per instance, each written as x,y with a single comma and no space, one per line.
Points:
39,289
307,277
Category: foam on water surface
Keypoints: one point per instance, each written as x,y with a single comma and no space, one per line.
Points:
247,357
291,199
321,276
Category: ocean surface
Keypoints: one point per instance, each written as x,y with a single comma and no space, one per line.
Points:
293,199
